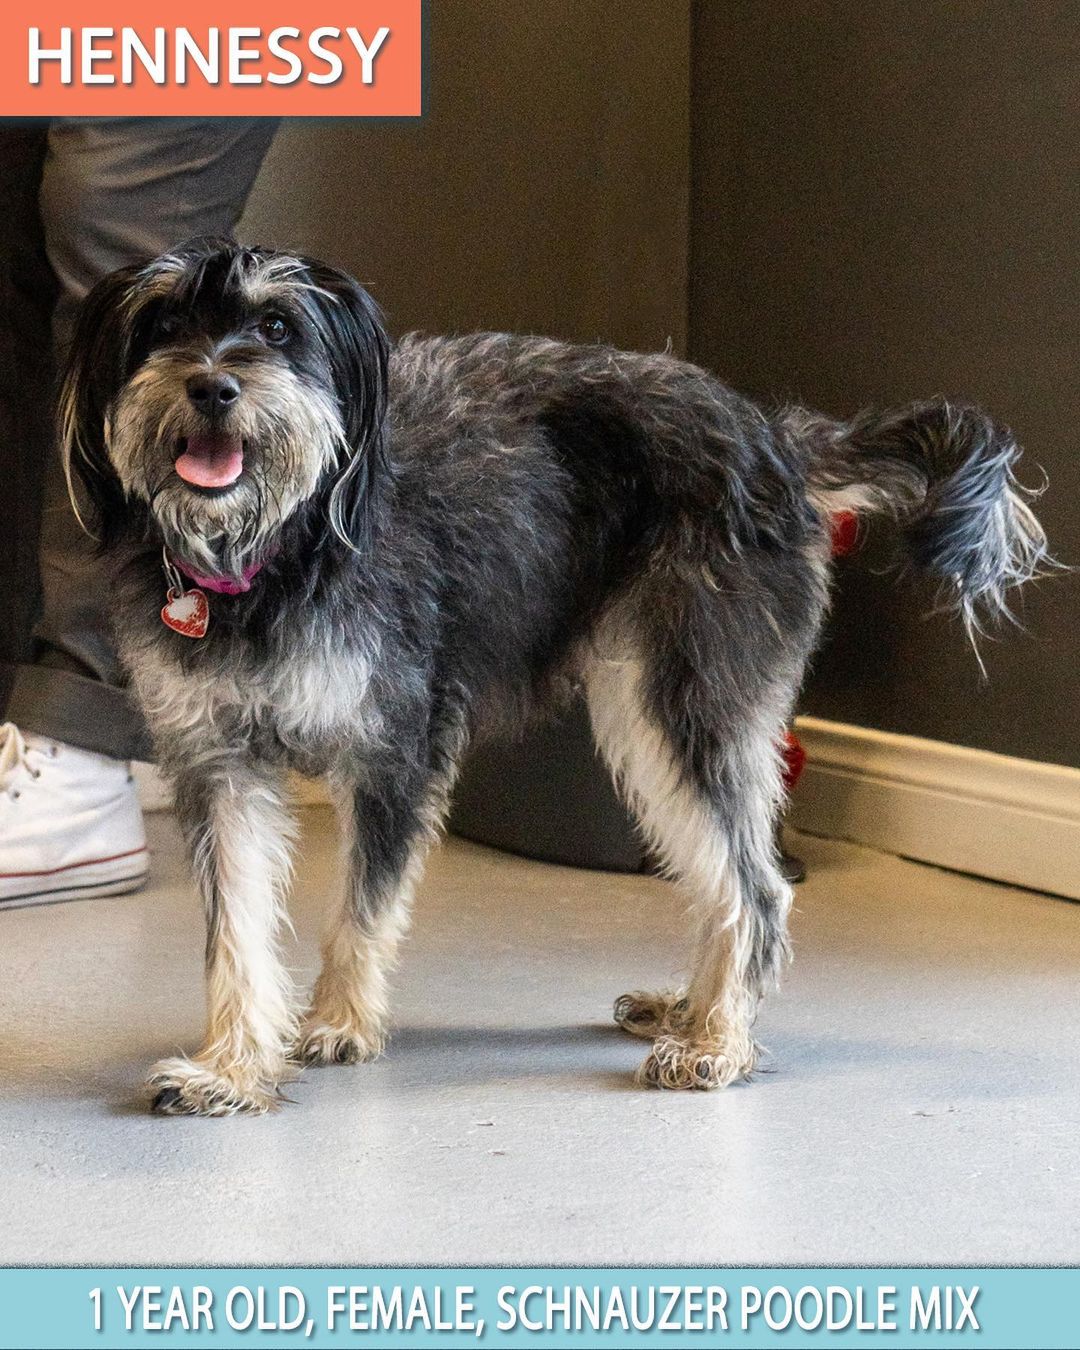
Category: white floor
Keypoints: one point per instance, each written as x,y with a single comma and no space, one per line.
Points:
924,1105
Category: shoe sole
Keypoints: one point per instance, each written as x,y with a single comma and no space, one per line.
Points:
81,881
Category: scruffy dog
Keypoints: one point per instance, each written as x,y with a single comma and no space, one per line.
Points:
369,555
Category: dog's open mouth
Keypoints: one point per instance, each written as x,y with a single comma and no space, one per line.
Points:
210,460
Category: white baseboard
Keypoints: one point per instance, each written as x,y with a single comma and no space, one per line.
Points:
1014,820
156,795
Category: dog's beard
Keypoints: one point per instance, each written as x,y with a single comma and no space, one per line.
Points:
292,439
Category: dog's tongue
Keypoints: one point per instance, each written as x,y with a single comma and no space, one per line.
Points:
211,461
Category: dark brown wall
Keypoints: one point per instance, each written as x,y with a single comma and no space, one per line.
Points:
546,189
886,203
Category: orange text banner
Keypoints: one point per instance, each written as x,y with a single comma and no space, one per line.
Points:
116,58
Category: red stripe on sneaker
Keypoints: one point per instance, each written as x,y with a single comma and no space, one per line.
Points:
73,867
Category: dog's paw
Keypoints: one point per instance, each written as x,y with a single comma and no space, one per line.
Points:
320,1043
190,1087
647,1015
686,1065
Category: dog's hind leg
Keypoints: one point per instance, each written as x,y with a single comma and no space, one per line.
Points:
391,819
704,786
239,832
647,1014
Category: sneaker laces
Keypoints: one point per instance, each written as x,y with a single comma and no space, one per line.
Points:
15,759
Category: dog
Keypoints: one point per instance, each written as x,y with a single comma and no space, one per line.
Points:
351,559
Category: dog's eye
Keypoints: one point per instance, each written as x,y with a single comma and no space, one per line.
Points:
168,325
274,329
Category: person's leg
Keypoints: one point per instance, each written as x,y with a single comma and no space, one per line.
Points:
114,190
111,191
27,295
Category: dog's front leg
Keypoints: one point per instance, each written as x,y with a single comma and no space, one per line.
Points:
239,832
389,823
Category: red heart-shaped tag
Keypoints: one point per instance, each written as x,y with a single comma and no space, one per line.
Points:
187,613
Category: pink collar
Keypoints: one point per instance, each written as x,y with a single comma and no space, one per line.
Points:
222,585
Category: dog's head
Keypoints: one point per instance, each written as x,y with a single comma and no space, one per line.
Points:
216,391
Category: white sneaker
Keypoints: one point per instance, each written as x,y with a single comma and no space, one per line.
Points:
70,823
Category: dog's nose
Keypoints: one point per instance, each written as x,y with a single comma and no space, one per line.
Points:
213,394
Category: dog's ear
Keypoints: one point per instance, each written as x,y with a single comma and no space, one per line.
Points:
358,349
95,368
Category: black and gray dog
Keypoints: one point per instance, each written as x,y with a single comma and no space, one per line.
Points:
368,556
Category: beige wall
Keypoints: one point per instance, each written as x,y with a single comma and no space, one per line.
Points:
545,190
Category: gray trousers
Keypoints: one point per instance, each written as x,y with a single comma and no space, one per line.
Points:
80,197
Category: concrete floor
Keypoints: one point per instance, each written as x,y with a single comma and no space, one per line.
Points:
924,1104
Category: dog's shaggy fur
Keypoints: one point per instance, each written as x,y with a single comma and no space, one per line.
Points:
452,534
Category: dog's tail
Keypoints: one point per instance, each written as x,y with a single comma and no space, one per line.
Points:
946,472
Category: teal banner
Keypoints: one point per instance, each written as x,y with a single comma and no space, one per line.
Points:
997,1309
